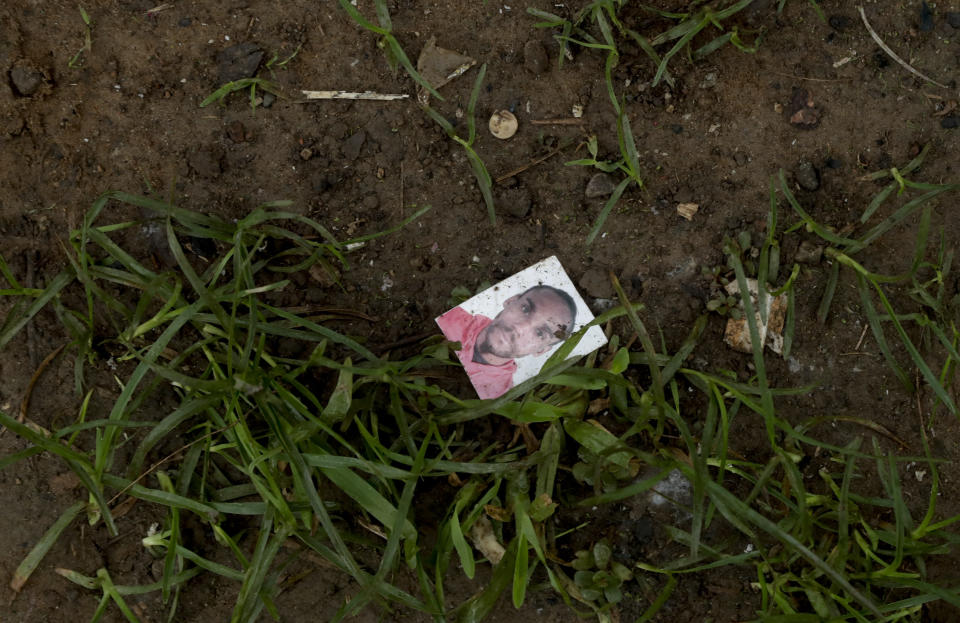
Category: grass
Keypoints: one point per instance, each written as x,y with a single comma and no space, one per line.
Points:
484,181
603,13
244,84
77,59
219,96
933,316
396,58
300,451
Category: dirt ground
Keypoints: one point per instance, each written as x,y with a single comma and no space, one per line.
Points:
127,116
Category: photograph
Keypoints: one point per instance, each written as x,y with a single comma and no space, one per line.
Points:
508,331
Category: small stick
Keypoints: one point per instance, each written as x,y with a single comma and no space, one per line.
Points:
157,9
860,341
532,163
568,121
891,54
350,95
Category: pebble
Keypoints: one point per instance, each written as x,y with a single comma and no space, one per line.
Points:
953,18
535,57
351,147
807,176
269,99
238,61
596,283
517,202
803,111
306,153
600,185
236,132
26,80
950,122
184,22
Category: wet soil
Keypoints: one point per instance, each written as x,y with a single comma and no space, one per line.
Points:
817,98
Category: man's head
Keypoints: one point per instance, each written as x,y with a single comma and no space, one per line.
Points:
530,323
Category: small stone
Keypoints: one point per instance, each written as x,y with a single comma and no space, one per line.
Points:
950,122
807,176
741,158
26,80
596,283
351,147
269,99
535,57
833,163
236,132
808,253
184,22
953,18
600,185
306,153
516,201
238,61
803,112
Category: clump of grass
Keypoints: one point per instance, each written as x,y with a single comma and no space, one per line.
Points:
219,96
843,249
251,84
304,449
691,24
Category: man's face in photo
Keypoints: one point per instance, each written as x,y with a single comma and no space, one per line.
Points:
529,324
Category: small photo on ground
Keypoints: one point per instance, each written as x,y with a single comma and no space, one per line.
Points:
508,331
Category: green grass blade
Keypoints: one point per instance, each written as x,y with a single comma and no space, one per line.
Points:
607,207
10,330
49,538
824,308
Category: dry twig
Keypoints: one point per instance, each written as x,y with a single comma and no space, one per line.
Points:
891,54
